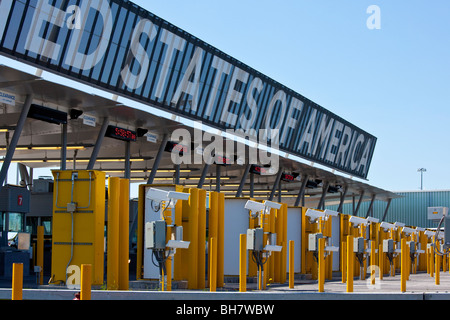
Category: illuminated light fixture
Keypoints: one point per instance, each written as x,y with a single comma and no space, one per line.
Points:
45,148
264,191
3,130
71,160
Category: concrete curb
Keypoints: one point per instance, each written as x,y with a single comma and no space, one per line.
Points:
62,294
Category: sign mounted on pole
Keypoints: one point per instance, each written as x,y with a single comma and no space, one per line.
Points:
117,46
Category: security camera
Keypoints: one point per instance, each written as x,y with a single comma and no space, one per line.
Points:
314,214
272,205
157,195
399,224
429,233
387,226
407,230
178,195
372,220
172,197
331,213
255,207
356,221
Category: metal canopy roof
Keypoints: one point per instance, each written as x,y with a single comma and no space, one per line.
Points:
37,134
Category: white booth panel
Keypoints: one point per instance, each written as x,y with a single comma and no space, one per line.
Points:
336,240
236,223
294,232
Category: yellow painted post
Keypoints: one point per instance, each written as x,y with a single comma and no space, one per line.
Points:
372,261
350,263
212,229
213,265
404,255
284,243
193,238
40,252
112,279
140,232
201,241
124,233
17,281
243,263
169,273
178,257
437,278
220,240
291,264
86,281
431,262
380,261
321,264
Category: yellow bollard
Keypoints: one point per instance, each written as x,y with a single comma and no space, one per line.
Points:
169,273
201,229
86,280
112,277
437,278
380,261
192,252
124,221
291,264
40,252
321,264
17,281
243,263
372,262
213,265
220,241
404,255
350,263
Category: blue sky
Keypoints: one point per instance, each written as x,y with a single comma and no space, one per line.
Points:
392,82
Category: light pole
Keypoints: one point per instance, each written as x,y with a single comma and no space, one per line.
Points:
421,170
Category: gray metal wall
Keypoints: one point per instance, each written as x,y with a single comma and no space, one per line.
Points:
411,209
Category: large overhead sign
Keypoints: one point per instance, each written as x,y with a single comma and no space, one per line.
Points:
122,48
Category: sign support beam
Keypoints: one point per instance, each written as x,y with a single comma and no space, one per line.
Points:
15,139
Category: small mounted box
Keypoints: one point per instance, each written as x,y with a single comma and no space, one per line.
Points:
255,239
436,213
313,241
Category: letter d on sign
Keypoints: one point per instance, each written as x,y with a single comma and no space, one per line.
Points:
374,21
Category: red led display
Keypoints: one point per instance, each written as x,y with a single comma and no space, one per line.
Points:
120,134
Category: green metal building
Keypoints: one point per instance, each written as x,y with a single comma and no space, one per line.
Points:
410,208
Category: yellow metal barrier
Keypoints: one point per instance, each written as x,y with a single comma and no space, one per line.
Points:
350,263
78,223
243,263
321,264
85,289
213,265
112,276
404,256
124,222
220,241
17,281
437,277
